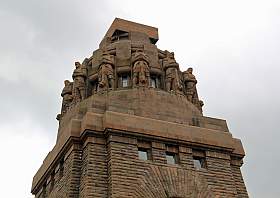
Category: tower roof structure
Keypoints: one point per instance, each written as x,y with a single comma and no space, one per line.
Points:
121,25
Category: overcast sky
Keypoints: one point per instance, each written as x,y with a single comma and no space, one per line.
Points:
233,47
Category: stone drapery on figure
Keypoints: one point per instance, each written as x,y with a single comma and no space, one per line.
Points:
106,72
67,96
172,77
79,85
190,84
191,91
141,70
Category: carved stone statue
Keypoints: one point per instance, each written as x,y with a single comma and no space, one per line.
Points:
172,77
191,91
106,72
67,96
141,70
190,83
200,105
79,85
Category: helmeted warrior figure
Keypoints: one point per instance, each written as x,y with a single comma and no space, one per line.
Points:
172,77
79,85
106,72
190,83
141,70
67,96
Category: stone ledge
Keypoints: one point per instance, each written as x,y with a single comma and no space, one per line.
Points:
168,130
140,126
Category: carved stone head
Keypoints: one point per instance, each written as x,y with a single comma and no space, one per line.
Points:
190,70
107,58
201,103
139,55
77,64
66,82
169,60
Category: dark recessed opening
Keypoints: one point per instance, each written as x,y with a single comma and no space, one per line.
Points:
199,162
171,158
144,154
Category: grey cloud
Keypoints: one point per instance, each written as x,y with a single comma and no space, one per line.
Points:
21,100
39,43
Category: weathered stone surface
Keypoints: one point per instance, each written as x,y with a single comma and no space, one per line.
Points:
123,54
106,72
129,58
79,85
67,96
104,125
141,69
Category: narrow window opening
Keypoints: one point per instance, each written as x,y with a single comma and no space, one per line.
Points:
153,41
52,180
172,154
171,158
44,190
199,159
143,154
153,82
199,163
94,87
124,80
61,167
119,35
144,150
195,122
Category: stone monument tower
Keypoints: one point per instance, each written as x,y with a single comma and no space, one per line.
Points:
131,126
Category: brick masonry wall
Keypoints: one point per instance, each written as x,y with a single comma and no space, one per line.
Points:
239,182
219,177
73,181
94,178
65,183
131,177
122,168
110,168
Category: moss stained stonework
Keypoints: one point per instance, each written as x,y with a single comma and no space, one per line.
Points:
131,126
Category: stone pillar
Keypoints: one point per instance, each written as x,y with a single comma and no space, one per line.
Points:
236,164
94,176
158,152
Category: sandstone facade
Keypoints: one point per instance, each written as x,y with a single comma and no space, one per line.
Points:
131,125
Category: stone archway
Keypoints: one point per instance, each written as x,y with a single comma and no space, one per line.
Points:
171,182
